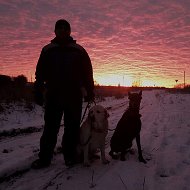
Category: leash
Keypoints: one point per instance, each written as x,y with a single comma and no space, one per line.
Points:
88,140
87,106
126,110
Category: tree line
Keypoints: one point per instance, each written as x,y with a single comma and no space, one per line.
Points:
15,88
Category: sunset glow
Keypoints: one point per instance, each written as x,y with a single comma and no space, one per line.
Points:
128,41
114,80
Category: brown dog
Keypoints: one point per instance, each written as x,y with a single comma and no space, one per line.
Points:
93,133
128,128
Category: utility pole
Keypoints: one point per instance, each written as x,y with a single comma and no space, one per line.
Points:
176,83
184,79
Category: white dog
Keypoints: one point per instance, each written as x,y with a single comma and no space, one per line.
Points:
93,133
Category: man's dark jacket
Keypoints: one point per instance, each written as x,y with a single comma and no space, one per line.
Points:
63,68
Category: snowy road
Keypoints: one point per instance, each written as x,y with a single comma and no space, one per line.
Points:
165,139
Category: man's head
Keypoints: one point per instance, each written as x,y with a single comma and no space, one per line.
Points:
62,29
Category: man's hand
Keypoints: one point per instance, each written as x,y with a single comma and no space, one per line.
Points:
90,97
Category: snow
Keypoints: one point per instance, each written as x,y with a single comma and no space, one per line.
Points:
165,140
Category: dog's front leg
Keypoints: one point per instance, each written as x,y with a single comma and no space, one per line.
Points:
103,156
138,141
86,155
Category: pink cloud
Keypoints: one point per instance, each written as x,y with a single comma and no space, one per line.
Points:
132,36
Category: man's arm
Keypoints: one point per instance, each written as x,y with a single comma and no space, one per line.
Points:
40,78
88,76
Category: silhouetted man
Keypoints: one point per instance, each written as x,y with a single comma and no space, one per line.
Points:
63,68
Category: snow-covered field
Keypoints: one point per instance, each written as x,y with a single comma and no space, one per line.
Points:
165,139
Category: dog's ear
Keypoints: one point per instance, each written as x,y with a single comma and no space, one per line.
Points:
140,93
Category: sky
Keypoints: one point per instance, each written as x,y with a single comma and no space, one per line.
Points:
142,41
